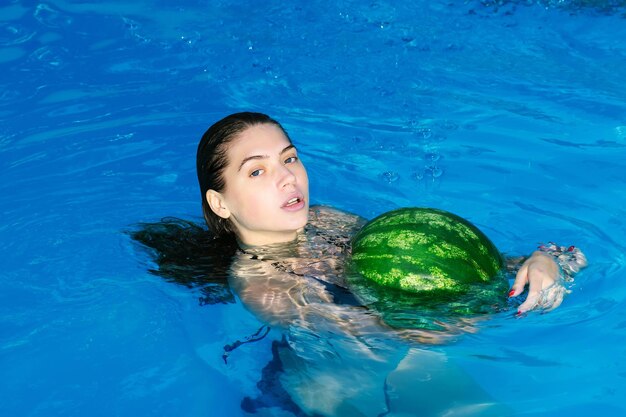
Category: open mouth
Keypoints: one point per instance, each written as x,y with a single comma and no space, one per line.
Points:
293,202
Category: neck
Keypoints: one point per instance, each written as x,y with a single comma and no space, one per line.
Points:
248,242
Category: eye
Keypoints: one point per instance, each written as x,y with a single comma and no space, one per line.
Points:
291,159
257,172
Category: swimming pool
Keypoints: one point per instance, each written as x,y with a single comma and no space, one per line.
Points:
511,114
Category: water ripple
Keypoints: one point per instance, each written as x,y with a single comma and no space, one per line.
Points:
15,34
50,17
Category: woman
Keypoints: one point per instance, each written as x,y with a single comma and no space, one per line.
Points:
255,189
289,272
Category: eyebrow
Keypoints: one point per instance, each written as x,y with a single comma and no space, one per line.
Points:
254,157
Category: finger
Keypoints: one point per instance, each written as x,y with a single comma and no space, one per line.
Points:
529,304
535,281
520,282
534,292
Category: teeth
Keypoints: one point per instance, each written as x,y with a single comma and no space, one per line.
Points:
293,201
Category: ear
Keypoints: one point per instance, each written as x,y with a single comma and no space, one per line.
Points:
217,204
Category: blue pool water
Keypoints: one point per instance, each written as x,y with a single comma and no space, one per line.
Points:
510,113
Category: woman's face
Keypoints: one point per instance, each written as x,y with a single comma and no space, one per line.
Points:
266,193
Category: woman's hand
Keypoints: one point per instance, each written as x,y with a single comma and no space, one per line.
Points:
545,287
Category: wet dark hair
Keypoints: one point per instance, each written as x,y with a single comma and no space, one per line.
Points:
186,253
211,160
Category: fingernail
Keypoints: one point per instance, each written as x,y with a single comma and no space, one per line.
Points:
519,313
511,293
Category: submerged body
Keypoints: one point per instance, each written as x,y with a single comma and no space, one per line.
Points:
342,358
290,273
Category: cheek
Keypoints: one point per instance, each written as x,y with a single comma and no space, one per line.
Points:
306,184
303,177
251,203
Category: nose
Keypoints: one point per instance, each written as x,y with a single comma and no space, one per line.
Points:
286,177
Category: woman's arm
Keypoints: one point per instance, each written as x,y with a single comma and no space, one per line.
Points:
545,272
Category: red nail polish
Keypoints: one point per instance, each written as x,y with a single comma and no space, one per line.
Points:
511,293
571,248
519,313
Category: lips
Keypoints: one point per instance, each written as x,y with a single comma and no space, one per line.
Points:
294,202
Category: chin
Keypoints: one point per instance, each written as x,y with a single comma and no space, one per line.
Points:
298,224
296,220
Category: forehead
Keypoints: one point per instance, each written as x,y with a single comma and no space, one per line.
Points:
262,139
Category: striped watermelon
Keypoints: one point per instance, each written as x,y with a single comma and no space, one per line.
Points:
426,258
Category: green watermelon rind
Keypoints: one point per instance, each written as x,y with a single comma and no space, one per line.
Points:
424,249
456,271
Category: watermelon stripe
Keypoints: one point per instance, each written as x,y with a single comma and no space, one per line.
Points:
422,249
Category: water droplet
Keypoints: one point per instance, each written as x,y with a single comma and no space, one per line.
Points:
389,176
435,171
412,124
119,136
432,156
426,133
418,176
